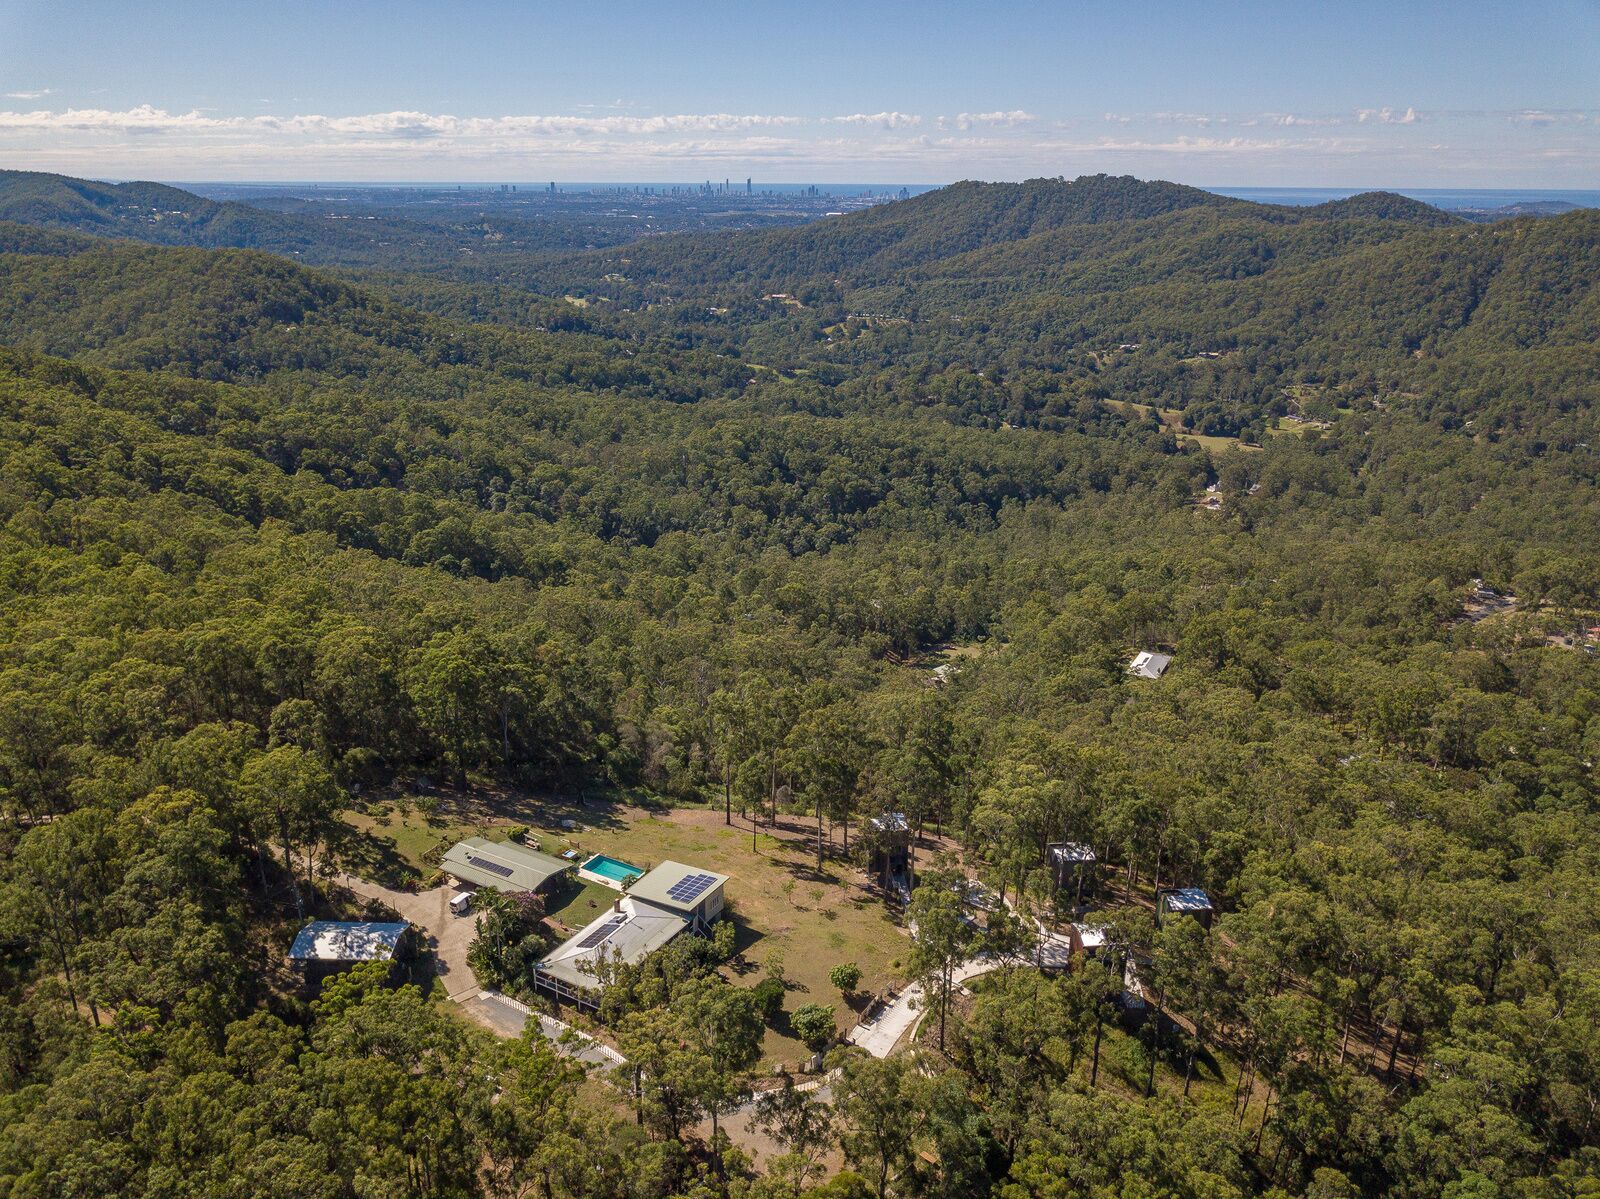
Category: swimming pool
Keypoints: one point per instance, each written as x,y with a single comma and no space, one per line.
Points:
613,872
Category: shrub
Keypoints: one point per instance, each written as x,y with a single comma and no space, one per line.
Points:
814,1024
846,976
769,997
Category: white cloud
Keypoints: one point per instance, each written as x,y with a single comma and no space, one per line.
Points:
1294,120
1187,118
882,120
35,95
401,125
1554,148
1545,117
1216,145
1387,116
1007,120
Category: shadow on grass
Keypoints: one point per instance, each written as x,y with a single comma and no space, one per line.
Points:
593,809
375,858
746,936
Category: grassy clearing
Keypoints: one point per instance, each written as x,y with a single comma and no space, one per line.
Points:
783,907
578,905
397,841
1173,419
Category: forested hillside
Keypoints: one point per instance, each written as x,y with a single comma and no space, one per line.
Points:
171,216
275,541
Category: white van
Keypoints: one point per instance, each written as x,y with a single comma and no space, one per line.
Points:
461,904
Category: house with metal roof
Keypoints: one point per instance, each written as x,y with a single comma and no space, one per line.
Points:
669,900
626,933
1072,864
503,865
1185,901
889,852
326,947
1147,664
695,895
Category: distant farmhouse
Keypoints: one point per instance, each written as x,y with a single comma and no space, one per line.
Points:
503,865
1147,664
326,947
670,900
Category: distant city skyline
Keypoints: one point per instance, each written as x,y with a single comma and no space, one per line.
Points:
1466,95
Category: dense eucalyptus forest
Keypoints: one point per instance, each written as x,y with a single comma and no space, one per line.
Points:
678,518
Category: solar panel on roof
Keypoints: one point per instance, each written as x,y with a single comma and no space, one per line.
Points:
601,933
495,867
690,887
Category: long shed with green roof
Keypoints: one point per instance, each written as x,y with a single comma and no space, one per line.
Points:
503,865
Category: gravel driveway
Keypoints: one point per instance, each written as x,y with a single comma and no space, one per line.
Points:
449,937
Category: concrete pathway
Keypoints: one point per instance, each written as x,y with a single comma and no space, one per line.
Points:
885,1031
508,1017
889,1027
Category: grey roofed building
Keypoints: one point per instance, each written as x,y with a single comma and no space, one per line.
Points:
669,900
1147,664
1185,901
627,932
502,865
348,941
689,891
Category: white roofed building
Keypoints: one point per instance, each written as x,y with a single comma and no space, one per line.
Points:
1147,664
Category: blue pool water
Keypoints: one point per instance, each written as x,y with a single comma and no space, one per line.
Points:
615,869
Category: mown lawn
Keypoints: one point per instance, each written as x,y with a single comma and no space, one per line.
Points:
1173,419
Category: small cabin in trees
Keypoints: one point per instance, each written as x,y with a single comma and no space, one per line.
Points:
889,838
1184,901
327,947
1147,664
1072,865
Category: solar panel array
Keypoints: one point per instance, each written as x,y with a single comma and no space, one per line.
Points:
494,867
690,887
601,933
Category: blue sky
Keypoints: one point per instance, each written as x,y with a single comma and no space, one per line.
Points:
1307,94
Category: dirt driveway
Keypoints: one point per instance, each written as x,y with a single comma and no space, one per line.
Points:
448,935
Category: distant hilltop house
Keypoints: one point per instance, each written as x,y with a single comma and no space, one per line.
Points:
507,867
326,947
670,900
1147,664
